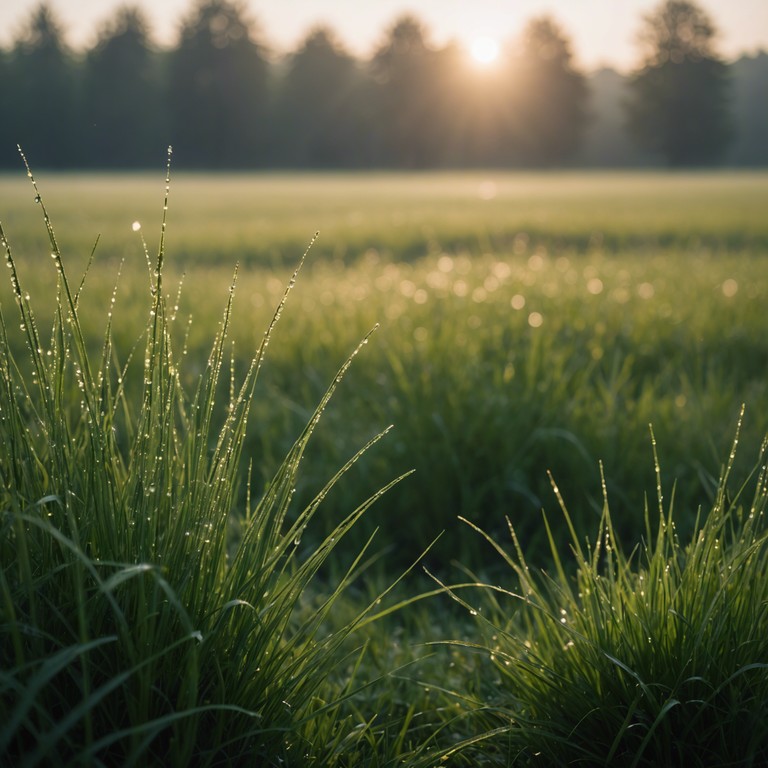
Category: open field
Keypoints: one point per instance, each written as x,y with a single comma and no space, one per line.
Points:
528,324
542,329
257,219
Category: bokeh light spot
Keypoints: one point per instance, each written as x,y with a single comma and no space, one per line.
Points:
535,319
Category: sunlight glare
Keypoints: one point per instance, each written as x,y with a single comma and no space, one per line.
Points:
484,50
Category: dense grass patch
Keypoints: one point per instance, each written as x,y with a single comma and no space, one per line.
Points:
650,656
495,366
148,615
185,581
497,369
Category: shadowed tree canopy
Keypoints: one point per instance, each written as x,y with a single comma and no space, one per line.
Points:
316,115
750,110
218,99
43,90
410,98
679,99
219,88
7,127
123,94
548,100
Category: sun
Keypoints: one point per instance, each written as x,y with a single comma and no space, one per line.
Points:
484,50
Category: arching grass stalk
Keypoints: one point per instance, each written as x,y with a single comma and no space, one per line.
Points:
134,629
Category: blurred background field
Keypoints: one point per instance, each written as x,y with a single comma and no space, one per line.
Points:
268,219
528,323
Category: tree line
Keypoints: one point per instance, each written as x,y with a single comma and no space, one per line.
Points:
220,99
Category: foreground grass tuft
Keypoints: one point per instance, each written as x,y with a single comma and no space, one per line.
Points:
656,657
139,623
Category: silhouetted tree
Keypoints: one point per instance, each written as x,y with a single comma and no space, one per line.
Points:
219,88
409,107
318,125
679,99
43,96
606,142
749,77
8,154
125,121
548,103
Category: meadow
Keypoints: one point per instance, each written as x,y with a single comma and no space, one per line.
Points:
528,330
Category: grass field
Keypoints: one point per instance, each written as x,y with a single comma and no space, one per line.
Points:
268,219
648,289
530,328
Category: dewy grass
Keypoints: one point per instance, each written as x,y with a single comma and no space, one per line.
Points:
136,629
637,327
659,657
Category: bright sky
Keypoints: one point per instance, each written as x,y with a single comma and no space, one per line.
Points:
601,31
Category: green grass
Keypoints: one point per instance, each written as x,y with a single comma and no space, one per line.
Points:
141,620
650,289
186,576
649,656
267,219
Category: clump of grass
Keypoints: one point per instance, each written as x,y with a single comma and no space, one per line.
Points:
656,657
138,623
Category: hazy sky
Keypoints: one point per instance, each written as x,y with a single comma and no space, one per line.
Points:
602,31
